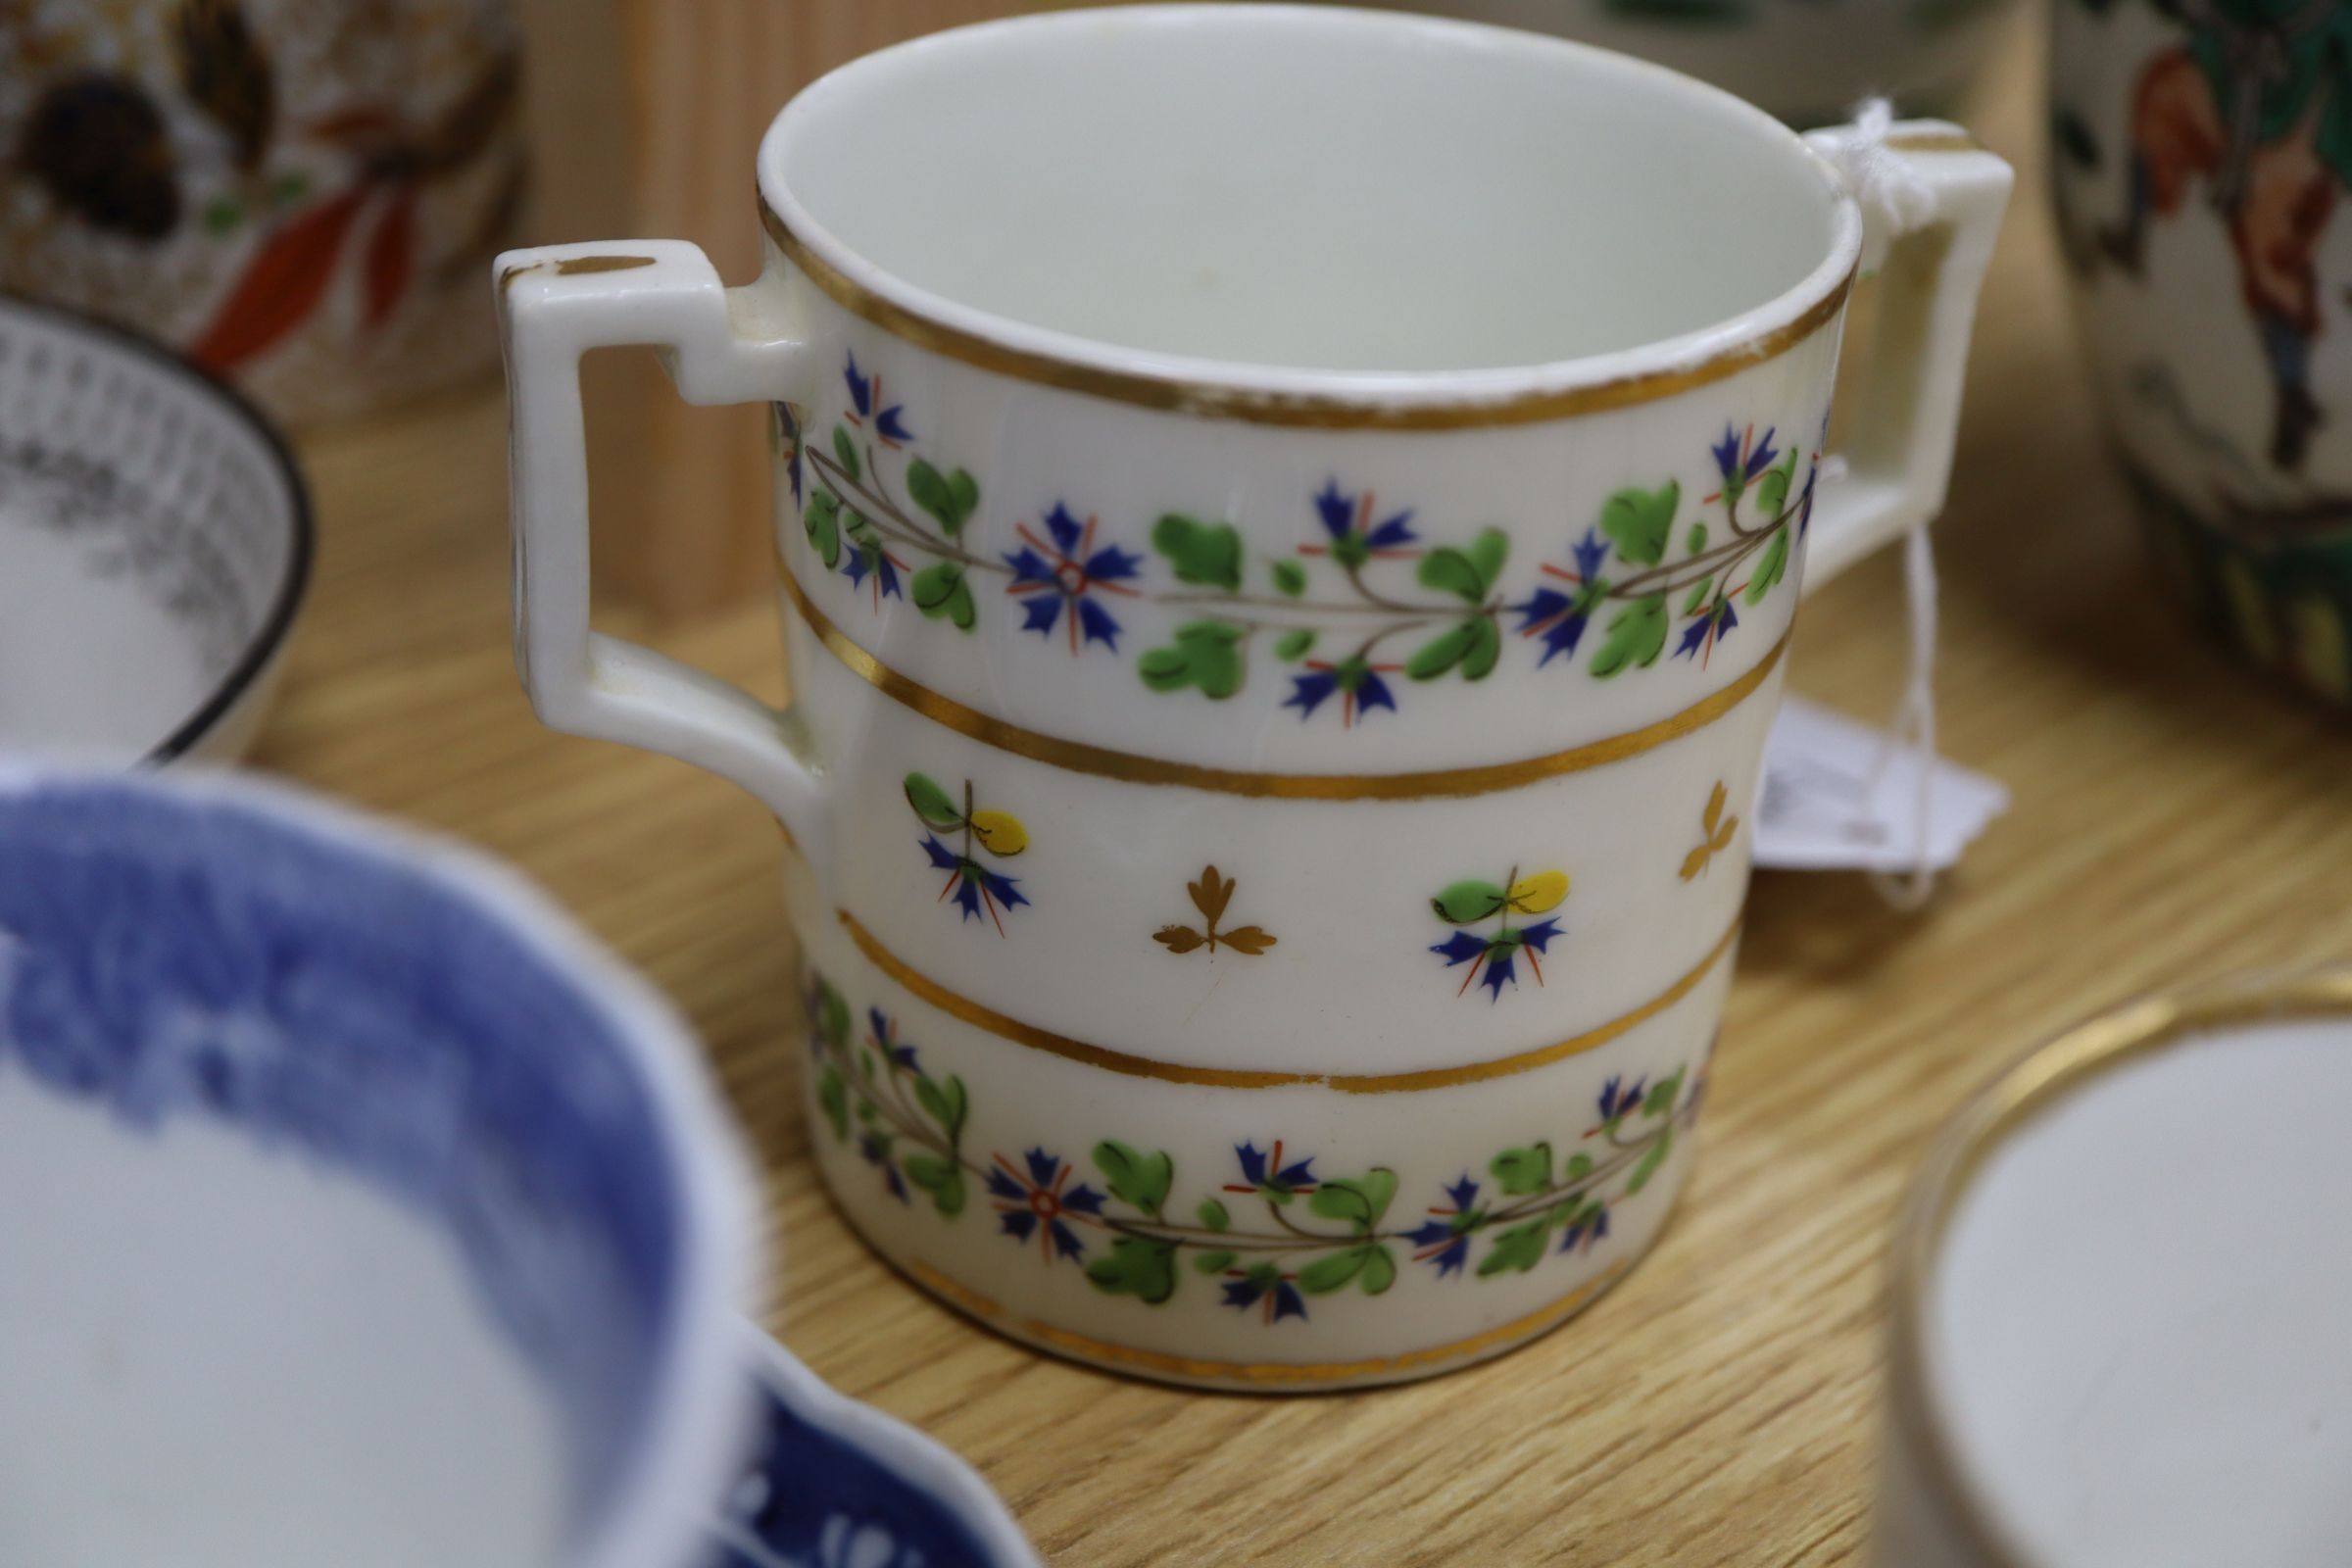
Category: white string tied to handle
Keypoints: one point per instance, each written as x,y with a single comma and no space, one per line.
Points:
1894,201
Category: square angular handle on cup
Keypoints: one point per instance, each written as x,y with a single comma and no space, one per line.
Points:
1927,266
556,303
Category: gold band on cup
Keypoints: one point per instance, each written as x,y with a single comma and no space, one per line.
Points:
981,1016
1078,756
1265,1374
1210,400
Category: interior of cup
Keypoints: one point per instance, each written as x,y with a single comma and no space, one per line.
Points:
154,543
1309,187
344,1226
2135,1319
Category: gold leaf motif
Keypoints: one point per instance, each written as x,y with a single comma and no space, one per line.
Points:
1211,893
1715,834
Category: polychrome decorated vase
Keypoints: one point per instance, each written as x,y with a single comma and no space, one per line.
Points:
2200,155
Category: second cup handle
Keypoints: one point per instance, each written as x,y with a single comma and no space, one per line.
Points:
556,303
1899,454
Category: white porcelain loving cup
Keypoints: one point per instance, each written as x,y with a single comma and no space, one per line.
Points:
1288,521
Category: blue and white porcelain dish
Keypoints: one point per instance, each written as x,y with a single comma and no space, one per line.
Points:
362,1211
155,547
832,1482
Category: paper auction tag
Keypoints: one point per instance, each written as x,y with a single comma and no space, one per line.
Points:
1821,809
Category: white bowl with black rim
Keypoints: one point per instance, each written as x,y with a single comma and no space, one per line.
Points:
154,546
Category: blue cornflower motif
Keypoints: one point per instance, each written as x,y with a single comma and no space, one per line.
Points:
1616,1103
1358,681
1590,1226
813,1005
1710,625
1246,1287
1063,573
1264,1173
865,397
1444,1238
788,447
886,1040
1355,537
1560,618
1496,953
877,1153
974,886
1033,1198
1741,459
865,557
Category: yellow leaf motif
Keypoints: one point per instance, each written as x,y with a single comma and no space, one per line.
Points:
1533,895
1000,832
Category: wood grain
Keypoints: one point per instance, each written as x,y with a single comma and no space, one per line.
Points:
2172,819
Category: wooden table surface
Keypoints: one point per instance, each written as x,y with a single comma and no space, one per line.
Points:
2174,818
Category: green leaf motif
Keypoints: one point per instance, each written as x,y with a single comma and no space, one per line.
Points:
1698,595
1139,1180
1290,577
931,802
1663,1094
1139,1267
1485,647
820,519
948,1196
1212,1214
950,499
1208,553
833,1093
1579,1168
1640,520
1380,1270
1329,1273
945,1101
1637,635
1443,651
1213,1262
1468,902
1468,572
943,1178
1651,1159
1359,1200
1295,644
1696,540
1771,491
1207,654
1520,1247
1771,567
845,452
1523,1170
942,593
833,1016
